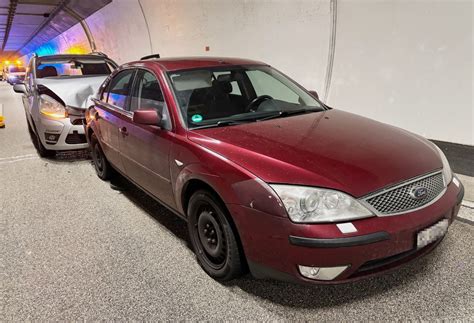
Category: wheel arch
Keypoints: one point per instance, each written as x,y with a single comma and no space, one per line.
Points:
193,185
89,133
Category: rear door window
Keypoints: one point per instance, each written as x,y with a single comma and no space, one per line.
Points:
119,89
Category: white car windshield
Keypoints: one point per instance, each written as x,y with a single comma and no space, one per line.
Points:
66,68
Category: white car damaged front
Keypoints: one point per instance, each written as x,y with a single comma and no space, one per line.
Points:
57,91
75,96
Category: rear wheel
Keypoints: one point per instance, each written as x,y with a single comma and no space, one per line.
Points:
213,238
102,166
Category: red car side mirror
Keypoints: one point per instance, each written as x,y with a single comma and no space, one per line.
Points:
314,94
147,117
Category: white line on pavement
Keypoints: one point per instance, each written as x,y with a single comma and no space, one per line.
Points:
17,160
18,157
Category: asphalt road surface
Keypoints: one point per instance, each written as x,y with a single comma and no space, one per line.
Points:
73,248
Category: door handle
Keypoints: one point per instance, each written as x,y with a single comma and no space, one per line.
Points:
123,131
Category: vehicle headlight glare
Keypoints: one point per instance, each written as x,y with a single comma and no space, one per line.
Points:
307,204
447,172
52,108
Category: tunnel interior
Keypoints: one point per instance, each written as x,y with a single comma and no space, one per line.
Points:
107,189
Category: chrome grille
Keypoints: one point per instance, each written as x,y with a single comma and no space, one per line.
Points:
398,199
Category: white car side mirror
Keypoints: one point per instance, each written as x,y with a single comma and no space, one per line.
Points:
19,88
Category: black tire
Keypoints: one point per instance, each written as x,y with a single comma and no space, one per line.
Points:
213,238
102,166
30,130
42,151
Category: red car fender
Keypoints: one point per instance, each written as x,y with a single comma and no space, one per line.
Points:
250,191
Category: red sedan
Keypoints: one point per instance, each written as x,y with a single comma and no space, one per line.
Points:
268,177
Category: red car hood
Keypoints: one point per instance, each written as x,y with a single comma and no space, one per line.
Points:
332,149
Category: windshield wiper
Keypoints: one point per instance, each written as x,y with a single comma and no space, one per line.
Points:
286,113
222,123
280,114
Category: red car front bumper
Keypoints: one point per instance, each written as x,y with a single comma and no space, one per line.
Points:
380,243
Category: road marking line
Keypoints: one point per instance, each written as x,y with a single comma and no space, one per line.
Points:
17,160
18,157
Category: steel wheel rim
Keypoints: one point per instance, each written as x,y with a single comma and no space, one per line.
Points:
210,238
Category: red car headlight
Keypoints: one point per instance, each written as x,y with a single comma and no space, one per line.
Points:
447,172
309,204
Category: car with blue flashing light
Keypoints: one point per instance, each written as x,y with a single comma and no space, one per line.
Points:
56,92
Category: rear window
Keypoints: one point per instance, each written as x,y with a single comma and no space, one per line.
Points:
73,68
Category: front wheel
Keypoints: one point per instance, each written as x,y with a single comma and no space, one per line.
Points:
213,238
42,151
102,166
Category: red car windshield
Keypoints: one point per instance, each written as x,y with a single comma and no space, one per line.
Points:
225,96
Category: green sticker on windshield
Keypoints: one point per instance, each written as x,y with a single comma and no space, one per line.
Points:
196,118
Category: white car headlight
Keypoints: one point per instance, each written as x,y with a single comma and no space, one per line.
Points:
52,108
447,172
309,204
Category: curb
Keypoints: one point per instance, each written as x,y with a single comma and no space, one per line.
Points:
468,204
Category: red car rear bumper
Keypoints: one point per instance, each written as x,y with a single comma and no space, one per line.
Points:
380,244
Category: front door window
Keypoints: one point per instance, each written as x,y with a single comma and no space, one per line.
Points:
147,95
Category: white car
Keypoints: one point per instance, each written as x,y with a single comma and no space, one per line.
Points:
56,93
14,74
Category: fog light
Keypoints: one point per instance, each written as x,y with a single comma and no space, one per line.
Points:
51,137
321,273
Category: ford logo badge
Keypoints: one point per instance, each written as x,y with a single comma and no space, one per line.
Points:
418,193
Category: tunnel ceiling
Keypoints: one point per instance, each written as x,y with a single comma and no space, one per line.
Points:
27,24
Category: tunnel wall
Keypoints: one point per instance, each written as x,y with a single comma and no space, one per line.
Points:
119,30
407,63
404,63
252,29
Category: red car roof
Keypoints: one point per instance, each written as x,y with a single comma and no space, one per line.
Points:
182,63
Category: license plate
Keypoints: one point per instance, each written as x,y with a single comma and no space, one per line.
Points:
433,233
